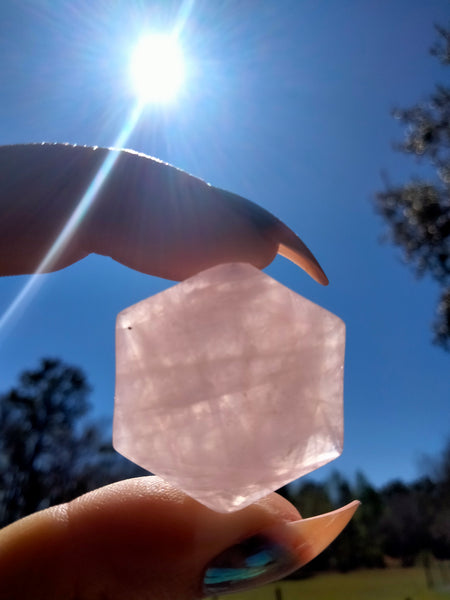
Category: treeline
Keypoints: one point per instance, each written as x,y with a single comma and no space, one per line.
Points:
50,453
399,524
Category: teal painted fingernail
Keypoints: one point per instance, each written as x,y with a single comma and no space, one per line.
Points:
255,561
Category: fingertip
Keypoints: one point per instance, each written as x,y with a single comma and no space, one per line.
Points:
145,536
309,537
273,553
136,538
300,255
294,249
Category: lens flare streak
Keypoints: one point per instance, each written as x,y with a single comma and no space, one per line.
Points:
75,220
33,282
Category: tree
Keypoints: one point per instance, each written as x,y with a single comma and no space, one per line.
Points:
49,452
405,523
312,499
418,213
359,545
439,474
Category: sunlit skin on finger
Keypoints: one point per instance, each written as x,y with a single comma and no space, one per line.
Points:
122,540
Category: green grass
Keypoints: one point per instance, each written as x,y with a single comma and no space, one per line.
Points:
386,584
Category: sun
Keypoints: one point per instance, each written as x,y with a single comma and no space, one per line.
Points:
157,68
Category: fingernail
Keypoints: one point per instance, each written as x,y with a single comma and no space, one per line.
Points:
275,552
257,560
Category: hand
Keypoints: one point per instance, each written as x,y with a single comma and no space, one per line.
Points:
142,538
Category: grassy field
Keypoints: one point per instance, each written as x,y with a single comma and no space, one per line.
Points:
387,584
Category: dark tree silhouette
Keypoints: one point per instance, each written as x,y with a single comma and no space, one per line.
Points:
311,498
439,512
359,545
406,520
49,452
418,213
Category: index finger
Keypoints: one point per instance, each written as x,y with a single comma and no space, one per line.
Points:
142,212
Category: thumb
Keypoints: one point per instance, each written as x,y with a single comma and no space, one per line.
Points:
142,538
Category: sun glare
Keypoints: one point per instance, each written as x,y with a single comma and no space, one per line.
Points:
157,68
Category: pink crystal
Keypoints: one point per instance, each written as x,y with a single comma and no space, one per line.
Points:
229,385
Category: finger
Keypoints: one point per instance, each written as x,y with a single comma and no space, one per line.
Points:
143,213
142,539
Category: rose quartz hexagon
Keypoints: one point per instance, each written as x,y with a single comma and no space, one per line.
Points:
229,385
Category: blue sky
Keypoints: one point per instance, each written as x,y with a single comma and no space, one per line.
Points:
288,104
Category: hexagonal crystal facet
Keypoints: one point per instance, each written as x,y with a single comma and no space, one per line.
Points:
229,385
